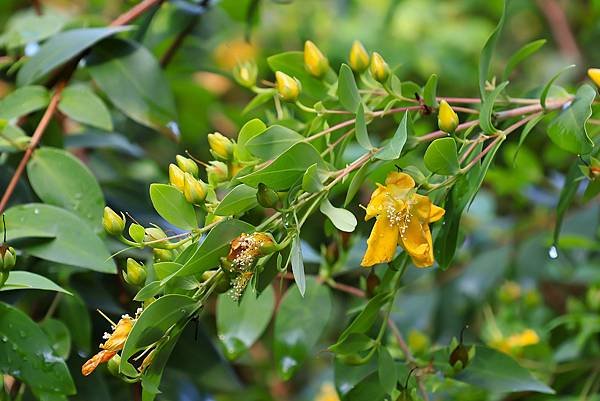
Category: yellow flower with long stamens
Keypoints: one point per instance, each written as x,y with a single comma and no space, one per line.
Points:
403,218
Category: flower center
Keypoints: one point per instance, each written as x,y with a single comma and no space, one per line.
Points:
398,213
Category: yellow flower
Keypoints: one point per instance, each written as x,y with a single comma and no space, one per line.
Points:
220,146
403,218
594,74
287,87
114,343
514,343
327,393
447,118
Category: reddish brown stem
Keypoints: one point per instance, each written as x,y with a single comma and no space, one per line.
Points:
177,42
134,12
37,6
559,26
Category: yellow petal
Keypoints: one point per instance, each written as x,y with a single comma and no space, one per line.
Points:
382,243
377,202
436,213
119,336
92,363
402,180
594,74
428,212
416,241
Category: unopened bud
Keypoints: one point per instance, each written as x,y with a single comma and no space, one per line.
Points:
112,222
380,70
245,73
176,177
223,284
156,236
359,58
8,258
314,61
194,190
217,172
135,273
447,118
287,87
113,365
187,165
221,147
594,74
163,255
136,232
266,197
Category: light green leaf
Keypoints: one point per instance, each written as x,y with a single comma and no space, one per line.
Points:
311,181
12,138
172,206
28,27
430,91
487,52
23,101
251,129
22,280
548,85
342,219
240,325
272,142
61,179
59,49
362,135
237,201
568,129
259,100
487,108
441,156
393,148
298,265
521,55
347,91
81,104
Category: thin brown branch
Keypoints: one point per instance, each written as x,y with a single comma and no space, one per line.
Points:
177,42
134,12
37,6
559,26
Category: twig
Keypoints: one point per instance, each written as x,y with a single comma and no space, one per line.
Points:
177,42
135,12
559,26
37,6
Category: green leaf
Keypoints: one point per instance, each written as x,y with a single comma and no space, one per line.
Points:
298,327
12,138
521,55
237,201
526,130
388,375
356,183
133,81
354,343
366,318
215,246
251,129
362,135
59,336
441,156
347,91
61,48
393,148
567,194
28,27
73,312
487,52
568,129
23,101
487,109
154,322
81,104
292,63
172,206
61,179
272,142
151,289
259,100
311,181
298,264
240,325
28,356
341,218
286,169
153,374
430,91
499,373
70,240
22,280
548,85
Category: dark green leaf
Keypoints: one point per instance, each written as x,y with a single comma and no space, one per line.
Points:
81,104
367,316
393,148
487,109
356,183
59,336
298,327
237,201
525,132
341,218
521,55
430,91
567,194
362,135
354,343
61,48
23,101
272,142
388,375
347,91
441,156
170,203
487,52
22,280
73,311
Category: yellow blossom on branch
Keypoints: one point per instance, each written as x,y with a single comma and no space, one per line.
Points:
114,343
403,218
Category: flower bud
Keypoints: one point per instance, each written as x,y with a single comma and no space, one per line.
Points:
221,147
194,190
314,61
163,255
136,232
217,172
155,235
594,74
379,68
187,165
359,58
447,118
266,197
112,222
287,87
8,258
176,177
222,285
113,365
245,73
135,274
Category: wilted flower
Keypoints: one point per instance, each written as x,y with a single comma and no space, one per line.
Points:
447,118
359,58
112,222
314,61
287,87
379,68
403,218
114,343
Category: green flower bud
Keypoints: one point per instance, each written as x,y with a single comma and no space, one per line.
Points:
176,177
217,172
8,258
245,73
194,190
266,197
288,88
137,233
154,235
223,284
314,61
187,165
380,70
112,222
113,365
135,274
359,58
221,147
447,118
163,255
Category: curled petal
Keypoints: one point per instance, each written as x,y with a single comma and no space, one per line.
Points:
417,242
402,180
119,335
381,245
92,363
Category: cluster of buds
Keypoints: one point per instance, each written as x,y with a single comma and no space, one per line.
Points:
109,349
244,253
184,177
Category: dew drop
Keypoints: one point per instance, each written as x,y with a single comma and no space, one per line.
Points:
553,252
36,211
